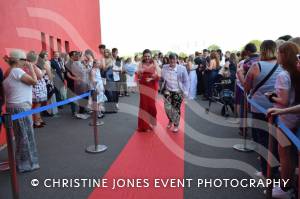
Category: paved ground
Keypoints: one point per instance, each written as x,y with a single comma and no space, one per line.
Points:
211,125
61,147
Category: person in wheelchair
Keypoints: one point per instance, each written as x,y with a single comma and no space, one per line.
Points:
223,90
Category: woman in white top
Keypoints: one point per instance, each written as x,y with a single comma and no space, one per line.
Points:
96,84
39,92
130,69
287,93
18,93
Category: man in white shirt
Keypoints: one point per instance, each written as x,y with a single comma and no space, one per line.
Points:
176,86
117,70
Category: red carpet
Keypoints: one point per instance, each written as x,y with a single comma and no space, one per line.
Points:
158,155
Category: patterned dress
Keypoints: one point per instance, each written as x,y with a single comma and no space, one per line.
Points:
39,91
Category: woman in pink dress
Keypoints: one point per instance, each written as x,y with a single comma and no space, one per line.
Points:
148,75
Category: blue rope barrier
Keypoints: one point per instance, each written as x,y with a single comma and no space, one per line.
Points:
293,138
50,106
257,106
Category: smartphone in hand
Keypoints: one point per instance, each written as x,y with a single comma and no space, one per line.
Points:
271,94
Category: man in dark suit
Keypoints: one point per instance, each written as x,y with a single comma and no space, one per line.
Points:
59,80
201,61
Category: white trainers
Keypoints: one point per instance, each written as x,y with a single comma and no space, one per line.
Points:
277,192
176,129
259,174
169,125
82,116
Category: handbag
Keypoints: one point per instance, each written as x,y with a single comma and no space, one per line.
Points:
50,90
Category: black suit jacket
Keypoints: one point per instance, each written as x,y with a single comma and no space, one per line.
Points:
58,69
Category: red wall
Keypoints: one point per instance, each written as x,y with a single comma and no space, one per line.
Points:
22,21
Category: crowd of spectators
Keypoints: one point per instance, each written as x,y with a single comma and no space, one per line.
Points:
270,75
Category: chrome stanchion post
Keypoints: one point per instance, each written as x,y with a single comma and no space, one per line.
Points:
246,146
94,121
11,155
96,148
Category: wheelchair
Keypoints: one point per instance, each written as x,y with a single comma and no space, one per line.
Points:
222,93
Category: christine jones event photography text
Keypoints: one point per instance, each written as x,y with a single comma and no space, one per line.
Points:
156,183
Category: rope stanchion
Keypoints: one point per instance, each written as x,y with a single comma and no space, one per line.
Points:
96,148
7,120
94,121
50,106
246,146
11,155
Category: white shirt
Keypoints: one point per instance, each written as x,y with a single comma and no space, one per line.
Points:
17,92
171,79
283,81
116,75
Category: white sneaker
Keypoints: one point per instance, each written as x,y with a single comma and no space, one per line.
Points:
82,116
78,115
259,174
176,129
277,192
169,125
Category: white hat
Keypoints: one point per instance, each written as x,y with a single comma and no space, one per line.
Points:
17,54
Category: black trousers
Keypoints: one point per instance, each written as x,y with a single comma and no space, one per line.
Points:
200,83
261,136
